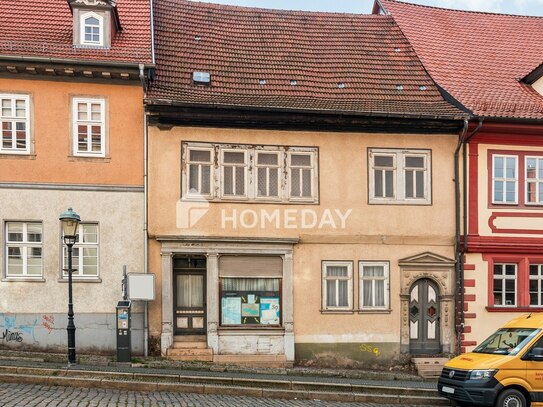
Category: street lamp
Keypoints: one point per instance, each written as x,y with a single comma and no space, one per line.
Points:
70,221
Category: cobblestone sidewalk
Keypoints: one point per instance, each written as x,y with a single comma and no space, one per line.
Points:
21,395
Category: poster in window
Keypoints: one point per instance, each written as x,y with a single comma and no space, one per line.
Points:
269,311
250,310
231,310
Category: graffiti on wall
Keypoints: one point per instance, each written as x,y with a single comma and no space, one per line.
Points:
48,321
364,347
12,331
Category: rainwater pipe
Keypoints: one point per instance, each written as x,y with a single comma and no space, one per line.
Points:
145,215
461,226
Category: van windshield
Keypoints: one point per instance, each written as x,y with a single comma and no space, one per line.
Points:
507,341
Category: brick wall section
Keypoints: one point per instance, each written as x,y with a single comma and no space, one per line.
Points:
468,316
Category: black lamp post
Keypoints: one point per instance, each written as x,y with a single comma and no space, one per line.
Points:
70,221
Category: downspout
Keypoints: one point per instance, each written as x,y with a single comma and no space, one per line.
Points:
460,250
145,215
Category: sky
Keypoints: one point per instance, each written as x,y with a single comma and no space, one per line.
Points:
522,7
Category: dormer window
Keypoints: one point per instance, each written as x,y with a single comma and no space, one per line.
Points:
92,29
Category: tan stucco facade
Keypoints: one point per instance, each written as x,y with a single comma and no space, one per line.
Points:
357,231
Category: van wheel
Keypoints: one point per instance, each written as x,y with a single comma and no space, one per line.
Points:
511,398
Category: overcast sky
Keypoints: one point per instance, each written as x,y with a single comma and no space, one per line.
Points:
523,7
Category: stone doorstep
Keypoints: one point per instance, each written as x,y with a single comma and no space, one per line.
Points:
429,361
229,390
189,345
429,368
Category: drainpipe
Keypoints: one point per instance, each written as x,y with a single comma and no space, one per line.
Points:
145,215
460,253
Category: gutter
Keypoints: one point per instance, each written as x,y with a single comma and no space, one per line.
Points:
173,104
145,212
459,254
64,61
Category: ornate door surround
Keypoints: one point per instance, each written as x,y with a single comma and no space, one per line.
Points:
440,270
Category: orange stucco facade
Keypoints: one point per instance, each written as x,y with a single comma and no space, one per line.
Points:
51,159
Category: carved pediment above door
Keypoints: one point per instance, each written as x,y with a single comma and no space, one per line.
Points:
427,265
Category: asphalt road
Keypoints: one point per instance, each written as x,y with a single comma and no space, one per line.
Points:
26,395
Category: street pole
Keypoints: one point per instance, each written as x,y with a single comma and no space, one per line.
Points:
71,325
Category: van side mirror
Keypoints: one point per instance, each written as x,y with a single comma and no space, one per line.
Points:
536,354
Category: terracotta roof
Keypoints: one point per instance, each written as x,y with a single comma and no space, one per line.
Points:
339,62
43,28
479,58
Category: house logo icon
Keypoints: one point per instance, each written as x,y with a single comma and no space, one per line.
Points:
190,209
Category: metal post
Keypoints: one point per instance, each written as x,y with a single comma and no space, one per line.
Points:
71,325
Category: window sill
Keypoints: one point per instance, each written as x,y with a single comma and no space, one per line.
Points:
514,309
81,280
235,330
400,203
23,279
374,311
257,201
338,311
89,158
19,156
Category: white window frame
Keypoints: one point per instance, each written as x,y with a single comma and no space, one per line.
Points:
78,268
267,167
14,119
24,246
83,25
326,278
237,167
503,277
539,279
504,179
200,164
373,279
399,176
536,180
300,168
89,101
251,172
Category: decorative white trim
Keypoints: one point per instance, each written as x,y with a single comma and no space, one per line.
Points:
82,26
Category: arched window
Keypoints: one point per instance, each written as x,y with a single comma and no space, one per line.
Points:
92,29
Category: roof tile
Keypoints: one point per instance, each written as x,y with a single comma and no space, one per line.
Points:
43,28
240,47
479,58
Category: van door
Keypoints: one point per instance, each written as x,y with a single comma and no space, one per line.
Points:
534,370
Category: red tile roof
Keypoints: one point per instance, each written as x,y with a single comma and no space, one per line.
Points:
43,28
253,55
478,58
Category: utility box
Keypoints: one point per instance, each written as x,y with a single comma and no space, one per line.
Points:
123,331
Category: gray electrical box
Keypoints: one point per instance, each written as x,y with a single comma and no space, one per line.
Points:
123,331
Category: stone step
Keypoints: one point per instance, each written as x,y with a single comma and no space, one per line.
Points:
190,338
190,352
189,345
187,358
429,367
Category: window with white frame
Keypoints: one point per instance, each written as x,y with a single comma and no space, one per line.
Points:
399,176
505,285
92,29
268,165
89,127
301,175
199,164
374,285
504,179
15,122
337,283
84,252
534,180
234,173
247,172
536,285
24,249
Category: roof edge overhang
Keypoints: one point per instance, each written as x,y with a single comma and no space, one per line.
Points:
72,61
170,113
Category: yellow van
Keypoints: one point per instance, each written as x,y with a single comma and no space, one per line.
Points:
506,370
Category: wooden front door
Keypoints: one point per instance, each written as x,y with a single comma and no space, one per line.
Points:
424,318
190,295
